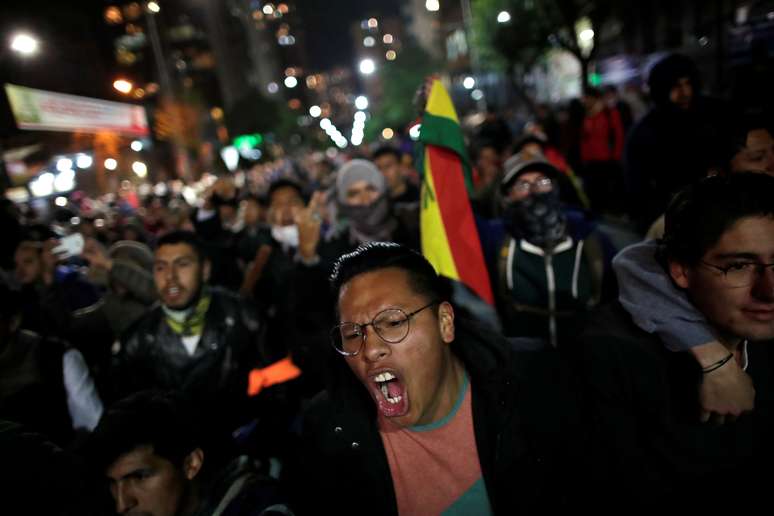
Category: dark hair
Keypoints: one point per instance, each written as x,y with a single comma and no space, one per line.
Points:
163,420
699,215
375,256
257,199
735,137
386,150
526,140
593,92
284,183
182,236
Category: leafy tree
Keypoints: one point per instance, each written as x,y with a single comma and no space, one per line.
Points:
400,79
535,27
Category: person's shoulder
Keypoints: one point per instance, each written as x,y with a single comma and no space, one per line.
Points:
233,306
133,337
610,334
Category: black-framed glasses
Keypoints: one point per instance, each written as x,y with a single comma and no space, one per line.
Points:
391,325
741,274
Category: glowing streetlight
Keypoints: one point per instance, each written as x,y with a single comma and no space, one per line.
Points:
153,7
361,102
469,82
387,133
111,164
24,44
315,111
432,5
291,82
123,86
140,168
136,145
84,161
586,35
503,17
63,164
367,66
61,201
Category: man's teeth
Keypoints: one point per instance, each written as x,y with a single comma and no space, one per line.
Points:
384,377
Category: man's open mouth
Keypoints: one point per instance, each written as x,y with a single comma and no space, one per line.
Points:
391,396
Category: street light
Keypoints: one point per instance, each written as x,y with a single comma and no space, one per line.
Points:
586,35
111,164
367,66
24,43
139,168
432,5
291,82
123,86
503,17
136,145
361,102
469,82
315,111
153,7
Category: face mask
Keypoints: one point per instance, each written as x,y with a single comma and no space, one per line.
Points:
372,222
285,235
538,218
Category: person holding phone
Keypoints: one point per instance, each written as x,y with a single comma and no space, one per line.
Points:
50,292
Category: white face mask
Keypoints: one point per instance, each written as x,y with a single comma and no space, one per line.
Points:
285,235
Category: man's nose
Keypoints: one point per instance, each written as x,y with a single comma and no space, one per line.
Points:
374,347
763,288
125,499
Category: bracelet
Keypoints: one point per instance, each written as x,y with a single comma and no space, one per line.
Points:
717,365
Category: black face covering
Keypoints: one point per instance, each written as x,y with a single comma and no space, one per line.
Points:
373,222
538,218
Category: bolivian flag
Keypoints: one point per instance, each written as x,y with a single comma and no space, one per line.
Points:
449,235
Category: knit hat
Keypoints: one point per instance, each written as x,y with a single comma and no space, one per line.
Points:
358,170
133,253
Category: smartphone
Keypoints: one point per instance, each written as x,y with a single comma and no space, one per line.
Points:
69,246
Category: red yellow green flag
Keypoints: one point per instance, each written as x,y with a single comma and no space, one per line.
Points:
449,234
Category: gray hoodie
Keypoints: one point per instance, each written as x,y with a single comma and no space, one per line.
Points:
656,305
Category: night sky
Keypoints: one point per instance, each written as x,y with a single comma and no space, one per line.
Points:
328,23
77,53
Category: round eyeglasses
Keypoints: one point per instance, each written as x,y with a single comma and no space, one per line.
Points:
391,325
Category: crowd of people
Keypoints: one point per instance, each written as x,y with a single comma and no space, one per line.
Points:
274,342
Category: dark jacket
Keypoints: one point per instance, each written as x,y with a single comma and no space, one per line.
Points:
525,424
152,356
651,450
579,271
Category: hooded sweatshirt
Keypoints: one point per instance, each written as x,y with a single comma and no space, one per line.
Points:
656,305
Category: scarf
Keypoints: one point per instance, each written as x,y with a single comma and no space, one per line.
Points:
190,322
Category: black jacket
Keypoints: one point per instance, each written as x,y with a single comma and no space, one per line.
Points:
525,423
651,449
152,356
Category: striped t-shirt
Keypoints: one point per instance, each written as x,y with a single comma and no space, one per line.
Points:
435,467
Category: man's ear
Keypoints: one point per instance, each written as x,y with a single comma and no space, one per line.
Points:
206,270
193,463
680,274
446,322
